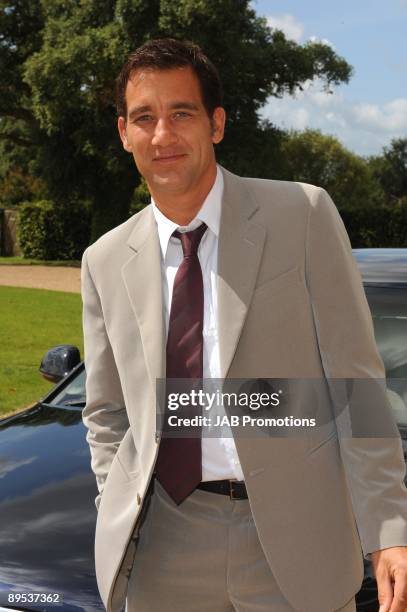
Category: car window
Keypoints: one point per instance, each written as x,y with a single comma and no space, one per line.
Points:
389,311
73,393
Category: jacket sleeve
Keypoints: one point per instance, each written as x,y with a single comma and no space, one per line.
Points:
369,440
105,413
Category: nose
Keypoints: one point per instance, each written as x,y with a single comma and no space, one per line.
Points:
164,134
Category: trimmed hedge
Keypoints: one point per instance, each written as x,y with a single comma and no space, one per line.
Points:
46,231
377,226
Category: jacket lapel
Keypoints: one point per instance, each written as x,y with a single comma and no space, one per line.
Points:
142,277
241,242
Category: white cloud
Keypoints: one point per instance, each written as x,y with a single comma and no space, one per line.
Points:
300,118
291,27
324,41
391,116
294,29
362,127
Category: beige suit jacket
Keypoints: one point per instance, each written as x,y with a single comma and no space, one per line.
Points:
291,304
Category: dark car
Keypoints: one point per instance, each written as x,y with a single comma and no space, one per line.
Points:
47,490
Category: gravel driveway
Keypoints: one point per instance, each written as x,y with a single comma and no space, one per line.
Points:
42,277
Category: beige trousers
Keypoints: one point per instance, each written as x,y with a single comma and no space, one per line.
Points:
202,556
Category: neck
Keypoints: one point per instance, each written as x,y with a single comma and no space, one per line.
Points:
181,208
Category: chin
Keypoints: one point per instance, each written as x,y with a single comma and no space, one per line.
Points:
170,181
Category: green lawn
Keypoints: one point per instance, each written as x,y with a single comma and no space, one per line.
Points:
22,261
31,321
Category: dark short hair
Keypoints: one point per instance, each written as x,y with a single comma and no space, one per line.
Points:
165,54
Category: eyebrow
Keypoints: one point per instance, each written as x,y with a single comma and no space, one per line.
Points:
174,106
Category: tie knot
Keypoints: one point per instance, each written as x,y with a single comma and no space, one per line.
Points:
190,240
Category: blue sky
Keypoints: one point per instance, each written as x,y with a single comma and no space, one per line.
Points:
372,36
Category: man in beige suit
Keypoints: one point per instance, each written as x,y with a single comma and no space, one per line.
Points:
282,299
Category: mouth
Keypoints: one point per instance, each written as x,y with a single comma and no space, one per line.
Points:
167,159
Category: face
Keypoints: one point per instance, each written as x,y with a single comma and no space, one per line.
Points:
168,131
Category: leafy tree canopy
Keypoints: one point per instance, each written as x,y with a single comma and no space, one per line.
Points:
312,157
59,60
390,169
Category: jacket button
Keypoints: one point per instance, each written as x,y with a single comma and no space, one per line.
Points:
138,499
157,437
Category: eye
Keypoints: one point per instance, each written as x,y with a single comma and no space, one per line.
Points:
143,119
181,115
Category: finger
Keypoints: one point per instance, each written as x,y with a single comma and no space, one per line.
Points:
399,603
385,592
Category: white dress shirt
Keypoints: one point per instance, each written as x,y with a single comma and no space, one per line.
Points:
219,457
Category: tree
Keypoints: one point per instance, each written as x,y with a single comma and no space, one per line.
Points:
66,74
17,186
390,169
21,24
312,157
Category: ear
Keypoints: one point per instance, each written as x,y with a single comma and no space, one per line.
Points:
218,124
121,125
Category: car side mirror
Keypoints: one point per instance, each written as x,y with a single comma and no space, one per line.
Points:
59,361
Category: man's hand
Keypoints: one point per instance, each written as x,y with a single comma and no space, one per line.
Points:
390,567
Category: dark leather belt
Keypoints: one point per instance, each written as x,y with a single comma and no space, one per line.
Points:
236,489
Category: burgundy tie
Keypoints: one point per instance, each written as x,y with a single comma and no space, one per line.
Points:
179,461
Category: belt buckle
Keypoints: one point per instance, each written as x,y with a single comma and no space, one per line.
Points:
232,491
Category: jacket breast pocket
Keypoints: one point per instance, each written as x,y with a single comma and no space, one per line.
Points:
319,448
288,279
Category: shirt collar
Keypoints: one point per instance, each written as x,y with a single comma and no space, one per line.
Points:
209,213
